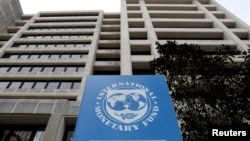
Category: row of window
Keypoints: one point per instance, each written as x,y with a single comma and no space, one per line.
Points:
30,132
46,56
65,21
39,84
68,45
62,29
35,69
70,15
22,133
56,36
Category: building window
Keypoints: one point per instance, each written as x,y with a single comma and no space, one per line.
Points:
59,69
70,15
65,85
48,69
25,69
4,69
35,69
14,69
76,85
69,133
4,85
46,56
51,46
27,85
15,85
56,36
66,21
52,85
22,132
12,56
39,84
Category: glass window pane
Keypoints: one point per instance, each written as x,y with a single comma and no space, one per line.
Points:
36,69
39,37
52,85
87,45
22,46
44,56
80,69
55,36
59,69
27,85
24,56
3,85
14,69
69,45
31,46
39,136
84,56
70,69
83,36
79,45
41,45
4,69
50,45
30,37
48,69
54,56
47,37
13,56
60,45
34,56
75,56
70,135
23,135
25,69
76,85
15,85
40,85
73,36
65,56
65,85
64,36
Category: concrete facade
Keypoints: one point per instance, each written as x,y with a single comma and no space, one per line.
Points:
47,56
10,11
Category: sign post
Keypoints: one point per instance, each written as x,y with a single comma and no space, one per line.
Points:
127,108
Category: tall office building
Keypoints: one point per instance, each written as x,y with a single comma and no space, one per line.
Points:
10,10
46,58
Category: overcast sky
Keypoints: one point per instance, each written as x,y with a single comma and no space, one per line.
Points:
238,7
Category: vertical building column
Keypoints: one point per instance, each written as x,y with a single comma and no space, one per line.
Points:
241,46
89,66
125,61
55,128
150,28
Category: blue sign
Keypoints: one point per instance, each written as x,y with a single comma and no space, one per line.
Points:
127,108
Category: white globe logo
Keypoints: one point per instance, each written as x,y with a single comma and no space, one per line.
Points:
126,106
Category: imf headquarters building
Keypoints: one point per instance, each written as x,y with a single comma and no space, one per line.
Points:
45,58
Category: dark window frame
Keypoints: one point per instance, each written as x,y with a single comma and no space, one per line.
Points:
7,131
